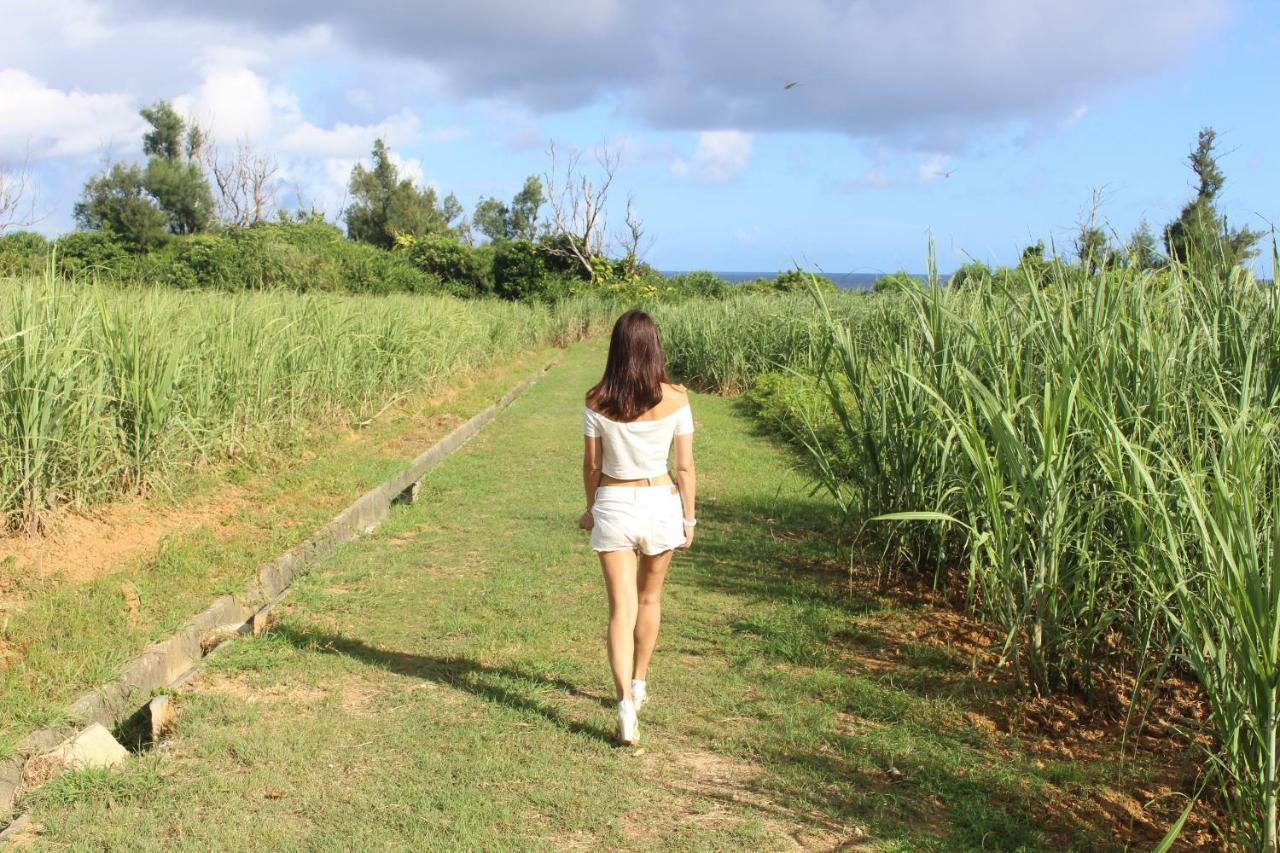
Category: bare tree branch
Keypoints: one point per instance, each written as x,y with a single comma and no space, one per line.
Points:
245,180
1097,199
17,198
631,242
578,201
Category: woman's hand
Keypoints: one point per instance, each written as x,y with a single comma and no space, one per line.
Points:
688,539
587,521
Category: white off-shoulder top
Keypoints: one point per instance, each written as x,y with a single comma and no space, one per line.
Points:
634,450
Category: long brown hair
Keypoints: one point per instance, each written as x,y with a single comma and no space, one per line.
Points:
634,371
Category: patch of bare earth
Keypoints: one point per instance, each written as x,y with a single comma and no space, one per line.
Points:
711,790
85,546
409,444
27,836
237,688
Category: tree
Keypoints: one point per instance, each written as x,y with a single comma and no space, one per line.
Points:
894,281
1141,253
173,176
17,206
1093,246
578,207
165,139
245,182
181,191
451,209
523,215
385,205
969,275
117,202
517,221
1200,231
491,218
1034,265
631,241
137,205
798,280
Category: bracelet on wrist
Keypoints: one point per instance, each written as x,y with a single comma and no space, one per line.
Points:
690,522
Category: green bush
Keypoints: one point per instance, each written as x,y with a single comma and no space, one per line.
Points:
701,283
894,281
558,258
306,255
23,253
793,280
520,271
482,256
89,253
446,259
969,275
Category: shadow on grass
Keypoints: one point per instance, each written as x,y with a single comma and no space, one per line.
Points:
459,673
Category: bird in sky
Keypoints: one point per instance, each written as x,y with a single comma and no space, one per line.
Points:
792,85
948,173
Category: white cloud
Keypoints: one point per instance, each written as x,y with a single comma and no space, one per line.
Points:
922,76
55,122
720,155
445,134
350,140
239,104
360,98
408,167
911,67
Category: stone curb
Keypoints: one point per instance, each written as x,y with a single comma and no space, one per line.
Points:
169,661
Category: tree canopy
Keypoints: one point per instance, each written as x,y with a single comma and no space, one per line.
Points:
385,205
516,221
1200,231
169,195
117,202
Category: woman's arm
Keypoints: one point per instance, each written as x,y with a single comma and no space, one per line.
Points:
687,482
591,473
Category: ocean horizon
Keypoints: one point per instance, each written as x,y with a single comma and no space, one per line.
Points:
844,281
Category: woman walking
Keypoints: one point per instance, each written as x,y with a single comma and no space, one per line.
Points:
633,417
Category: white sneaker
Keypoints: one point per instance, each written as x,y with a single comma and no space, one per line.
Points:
639,695
628,730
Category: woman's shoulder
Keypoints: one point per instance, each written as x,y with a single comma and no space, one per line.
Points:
674,398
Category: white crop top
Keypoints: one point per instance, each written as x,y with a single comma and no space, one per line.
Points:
634,450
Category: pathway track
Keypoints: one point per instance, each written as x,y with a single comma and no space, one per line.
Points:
443,685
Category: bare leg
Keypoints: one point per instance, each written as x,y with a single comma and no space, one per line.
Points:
653,571
620,580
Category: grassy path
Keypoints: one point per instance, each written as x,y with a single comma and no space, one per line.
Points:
443,685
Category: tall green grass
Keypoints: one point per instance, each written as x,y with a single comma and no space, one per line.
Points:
1094,462
104,390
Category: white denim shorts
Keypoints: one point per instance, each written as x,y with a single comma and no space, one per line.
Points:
647,518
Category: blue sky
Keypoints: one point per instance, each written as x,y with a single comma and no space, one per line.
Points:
985,124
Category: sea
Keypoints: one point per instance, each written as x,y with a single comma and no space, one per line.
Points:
845,281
